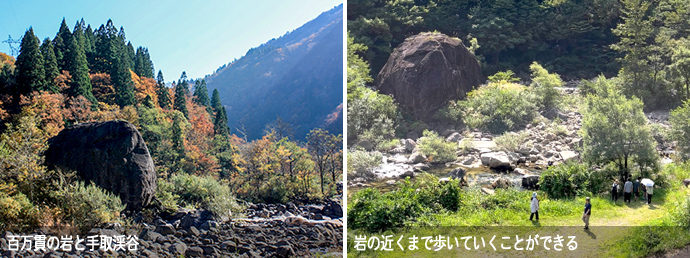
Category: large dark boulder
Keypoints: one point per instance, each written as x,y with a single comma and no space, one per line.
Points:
110,154
428,70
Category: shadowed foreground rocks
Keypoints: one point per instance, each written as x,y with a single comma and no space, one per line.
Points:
268,231
428,70
110,154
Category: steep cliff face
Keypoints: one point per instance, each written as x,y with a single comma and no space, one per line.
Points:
428,70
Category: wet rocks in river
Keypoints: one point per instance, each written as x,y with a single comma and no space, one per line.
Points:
416,157
496,160
501,182
530,182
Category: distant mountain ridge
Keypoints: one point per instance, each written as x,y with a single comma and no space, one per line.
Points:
297,77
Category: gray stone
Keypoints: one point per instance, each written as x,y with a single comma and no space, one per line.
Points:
165,229
416,158
568,155
496,160
454,137
366,145
409,144
112,155
530,182
194,252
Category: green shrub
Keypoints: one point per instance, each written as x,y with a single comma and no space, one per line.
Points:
437,149
371,117
681,212
680,128
544,86
87,206
388,145
466,144
511,141
17,213
374,211
572,179
498,107
505,77
200,192
362,163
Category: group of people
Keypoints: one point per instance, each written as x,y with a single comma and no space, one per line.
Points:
630,189
534,207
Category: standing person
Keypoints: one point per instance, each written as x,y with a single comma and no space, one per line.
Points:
588,211
650,191
534,206
627,190
636,188
614,191
644,191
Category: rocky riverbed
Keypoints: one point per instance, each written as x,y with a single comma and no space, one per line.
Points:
552,141
267,231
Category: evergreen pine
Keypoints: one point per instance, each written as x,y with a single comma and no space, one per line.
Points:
79,70
61,43
215,101
50,65
29,66
201,95
220,126
163,95
181,90
122,82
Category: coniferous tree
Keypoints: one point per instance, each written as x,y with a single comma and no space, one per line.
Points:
61,43
215,101
142,63
201,95
178,137
79,70
220,126
29,66
50,65
163,95
122,82
181,90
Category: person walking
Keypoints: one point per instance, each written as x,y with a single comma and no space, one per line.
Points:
650,191
614,191
636,188
534,206
587,213
627,190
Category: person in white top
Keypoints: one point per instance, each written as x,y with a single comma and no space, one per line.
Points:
534,206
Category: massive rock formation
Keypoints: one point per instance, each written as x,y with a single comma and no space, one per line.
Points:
110,154
428,70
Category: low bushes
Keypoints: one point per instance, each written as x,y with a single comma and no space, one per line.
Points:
572,179
498,107
198,192
437,149
374,211
362,163
87,206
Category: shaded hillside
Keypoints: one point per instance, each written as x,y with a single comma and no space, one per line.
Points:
297,77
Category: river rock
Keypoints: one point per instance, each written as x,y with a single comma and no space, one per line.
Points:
530,182
418,168
409,144
366,145
521,171
454,137
496,160
416,158
501,182
112,155
428,70
568,155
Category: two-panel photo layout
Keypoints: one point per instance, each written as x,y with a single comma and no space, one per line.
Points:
336,128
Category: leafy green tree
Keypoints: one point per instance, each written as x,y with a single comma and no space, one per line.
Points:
29,66
544,86
357,69
371,117
79,70
614,129
51,67
680,65
215,100
635,33
317,144
163,94
181,91
200,96
680,128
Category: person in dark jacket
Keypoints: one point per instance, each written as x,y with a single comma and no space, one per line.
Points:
587,213
614,191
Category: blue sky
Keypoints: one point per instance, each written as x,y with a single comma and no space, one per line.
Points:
193,36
